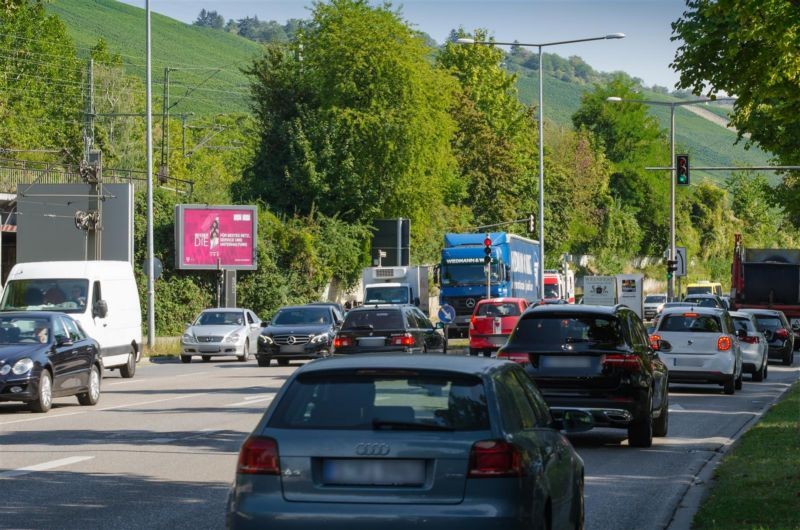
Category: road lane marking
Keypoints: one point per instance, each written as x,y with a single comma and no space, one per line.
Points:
153,380
249,401
44,466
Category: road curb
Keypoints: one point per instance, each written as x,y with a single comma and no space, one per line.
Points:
696,492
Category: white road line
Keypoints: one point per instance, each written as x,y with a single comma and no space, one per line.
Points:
153,380
44,467
249,401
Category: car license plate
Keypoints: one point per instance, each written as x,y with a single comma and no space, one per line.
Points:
373,472
696,363
498,341
371,342
570,361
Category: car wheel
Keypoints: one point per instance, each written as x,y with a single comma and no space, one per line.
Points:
474,351
262,360
91,396
730,385
186,358
487,353
788,358
129,369
580,507
245,352
738,384
206,358
44,395
640,431
759,374
283,362
661,424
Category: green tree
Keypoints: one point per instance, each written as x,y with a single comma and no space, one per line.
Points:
750,49
210,19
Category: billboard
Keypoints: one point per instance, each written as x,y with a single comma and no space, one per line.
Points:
212,237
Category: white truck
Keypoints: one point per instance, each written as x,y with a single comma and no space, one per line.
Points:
558,285
396,285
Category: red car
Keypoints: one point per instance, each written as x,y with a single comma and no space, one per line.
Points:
492,322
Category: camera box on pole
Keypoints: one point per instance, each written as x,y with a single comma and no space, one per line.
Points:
600,290
631,292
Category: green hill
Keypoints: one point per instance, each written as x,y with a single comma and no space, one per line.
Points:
207,62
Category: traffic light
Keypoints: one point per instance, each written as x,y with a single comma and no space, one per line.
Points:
487,249
672,266
682,170
531,223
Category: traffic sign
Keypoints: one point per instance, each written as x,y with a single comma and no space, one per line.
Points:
680,256
447,314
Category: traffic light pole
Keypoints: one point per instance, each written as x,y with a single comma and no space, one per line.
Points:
670,275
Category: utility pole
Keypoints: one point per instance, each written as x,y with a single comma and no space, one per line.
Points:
151,318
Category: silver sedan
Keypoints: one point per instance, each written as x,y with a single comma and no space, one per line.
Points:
221,331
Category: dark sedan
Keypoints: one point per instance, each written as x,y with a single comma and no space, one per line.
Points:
388,328
297,332
394,442
778,332
47,355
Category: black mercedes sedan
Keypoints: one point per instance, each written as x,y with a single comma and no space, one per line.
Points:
297,332
46,355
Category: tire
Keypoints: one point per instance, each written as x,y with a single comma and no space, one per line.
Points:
129,369
92,396
580,509
206,358
661,424
760,374
730,386
186,359
640,431
44,394
487,353
283,362
738,384
263,360
787,359
245,352
474,351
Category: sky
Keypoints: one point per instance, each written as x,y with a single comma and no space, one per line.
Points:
645,52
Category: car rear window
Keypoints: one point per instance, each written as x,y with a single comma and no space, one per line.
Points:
376,400
379,319
769,322
703,302
567,333
690,322
743,324
655,299
505,309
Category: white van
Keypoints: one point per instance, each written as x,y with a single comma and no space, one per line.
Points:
101,295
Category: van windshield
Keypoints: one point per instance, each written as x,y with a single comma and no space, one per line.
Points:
65,295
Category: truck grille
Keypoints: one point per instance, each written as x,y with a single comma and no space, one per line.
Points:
290,340
209,338
461,306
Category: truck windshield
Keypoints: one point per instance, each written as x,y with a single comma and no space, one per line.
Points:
467,274
64,295
387,295
551,291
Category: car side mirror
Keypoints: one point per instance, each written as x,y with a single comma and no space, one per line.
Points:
100,309
574,421
63,340
796,326
265,323
662,345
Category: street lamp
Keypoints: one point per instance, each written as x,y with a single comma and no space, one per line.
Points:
541,126
671,105
149,104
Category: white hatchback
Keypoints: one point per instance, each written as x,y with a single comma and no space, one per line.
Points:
700,345
755,351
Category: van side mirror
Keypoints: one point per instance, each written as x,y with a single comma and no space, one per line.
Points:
416,301
100,309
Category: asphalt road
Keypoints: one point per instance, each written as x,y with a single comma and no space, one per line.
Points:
159,450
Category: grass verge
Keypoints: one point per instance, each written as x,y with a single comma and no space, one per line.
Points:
164,347
758,483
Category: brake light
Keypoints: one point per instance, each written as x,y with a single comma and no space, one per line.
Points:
341,342
693,315
749,339
403,340
626,362
724,343
517,357
494,458
654,341
259,456
782,333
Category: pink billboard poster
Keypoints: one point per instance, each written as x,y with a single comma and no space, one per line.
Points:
223,236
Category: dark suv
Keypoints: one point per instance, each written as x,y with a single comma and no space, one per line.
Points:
597,359
388,328
776,328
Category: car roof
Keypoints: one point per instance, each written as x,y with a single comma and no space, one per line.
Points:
754,311
701,295
223,309
450,363
574,308
741,314
373,307
501,300
305,306
694,309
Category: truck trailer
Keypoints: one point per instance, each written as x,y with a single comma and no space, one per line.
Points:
462,273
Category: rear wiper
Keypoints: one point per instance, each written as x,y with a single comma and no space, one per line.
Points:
408,425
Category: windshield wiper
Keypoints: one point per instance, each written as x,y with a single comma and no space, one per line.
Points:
408,425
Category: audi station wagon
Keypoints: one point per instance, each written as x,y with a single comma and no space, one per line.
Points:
393,442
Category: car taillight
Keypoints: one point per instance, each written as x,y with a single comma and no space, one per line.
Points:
259,456
750,340
493,459
517,357
405,339
472,322
626,362
781,333
341,342
654,341
724,343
